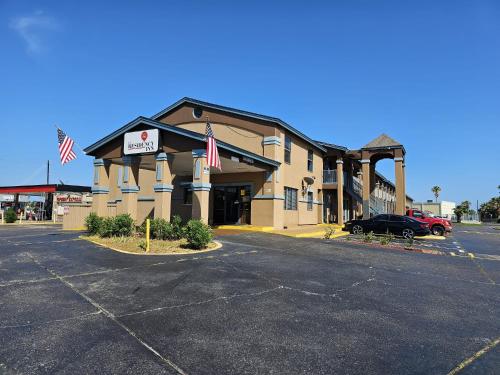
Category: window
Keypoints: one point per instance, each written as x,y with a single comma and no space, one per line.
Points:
397,218
288,149
310,160
309,201
290,199
188,196
417,214
197,112
381,218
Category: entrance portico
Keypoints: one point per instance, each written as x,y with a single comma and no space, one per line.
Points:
175,179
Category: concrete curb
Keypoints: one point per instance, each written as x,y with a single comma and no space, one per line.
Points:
398,248
247,228
189,252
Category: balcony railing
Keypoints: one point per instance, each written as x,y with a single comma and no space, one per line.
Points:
330,176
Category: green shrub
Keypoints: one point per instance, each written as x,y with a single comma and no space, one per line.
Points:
93,223
123,225
198,234
329,232
142,245
107,228
409,242
10,216
386,239
161,229
177,228
368,237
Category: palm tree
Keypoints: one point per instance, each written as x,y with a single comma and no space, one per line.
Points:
436,190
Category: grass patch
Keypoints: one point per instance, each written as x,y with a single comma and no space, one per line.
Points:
157,247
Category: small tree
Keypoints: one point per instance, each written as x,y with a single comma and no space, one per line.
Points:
490,209
436,190
461,210
10,216
458,213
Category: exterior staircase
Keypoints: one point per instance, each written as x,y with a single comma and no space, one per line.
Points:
355,189
376,206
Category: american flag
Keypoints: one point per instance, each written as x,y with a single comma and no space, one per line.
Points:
212,153
65,147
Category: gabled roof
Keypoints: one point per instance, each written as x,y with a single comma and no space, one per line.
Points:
383,140
240,112
331,145
183,132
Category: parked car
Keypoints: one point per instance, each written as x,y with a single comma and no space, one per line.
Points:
396,224
438,226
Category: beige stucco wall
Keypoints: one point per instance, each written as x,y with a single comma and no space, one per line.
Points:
178,206
74,219
237,136
293,175
144,210
247,134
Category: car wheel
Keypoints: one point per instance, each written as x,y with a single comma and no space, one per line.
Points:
357,229
408,233
437,230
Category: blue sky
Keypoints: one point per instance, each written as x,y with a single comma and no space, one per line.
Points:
425,72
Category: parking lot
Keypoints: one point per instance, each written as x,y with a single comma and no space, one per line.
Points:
261,304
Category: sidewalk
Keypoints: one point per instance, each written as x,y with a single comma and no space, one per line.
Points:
305,231
32,222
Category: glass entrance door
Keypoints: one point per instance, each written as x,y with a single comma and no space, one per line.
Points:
219,205
232,205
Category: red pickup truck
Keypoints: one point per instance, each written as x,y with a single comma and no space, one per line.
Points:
438,226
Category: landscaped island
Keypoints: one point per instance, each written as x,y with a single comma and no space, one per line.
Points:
119,233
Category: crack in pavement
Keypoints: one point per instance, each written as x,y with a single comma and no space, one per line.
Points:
307,292
222,298
194,258
51,321
111,317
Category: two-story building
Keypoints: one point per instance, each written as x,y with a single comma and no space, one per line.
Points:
272,174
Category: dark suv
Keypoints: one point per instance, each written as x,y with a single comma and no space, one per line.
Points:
395,224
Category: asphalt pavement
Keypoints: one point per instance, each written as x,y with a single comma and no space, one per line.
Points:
262,304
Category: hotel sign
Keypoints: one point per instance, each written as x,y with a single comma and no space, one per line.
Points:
141,142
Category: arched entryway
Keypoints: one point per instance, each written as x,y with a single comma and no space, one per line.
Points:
382,147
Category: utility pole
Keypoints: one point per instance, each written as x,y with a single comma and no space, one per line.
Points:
48,171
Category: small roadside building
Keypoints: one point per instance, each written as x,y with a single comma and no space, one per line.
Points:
43,202
443,209
272,174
